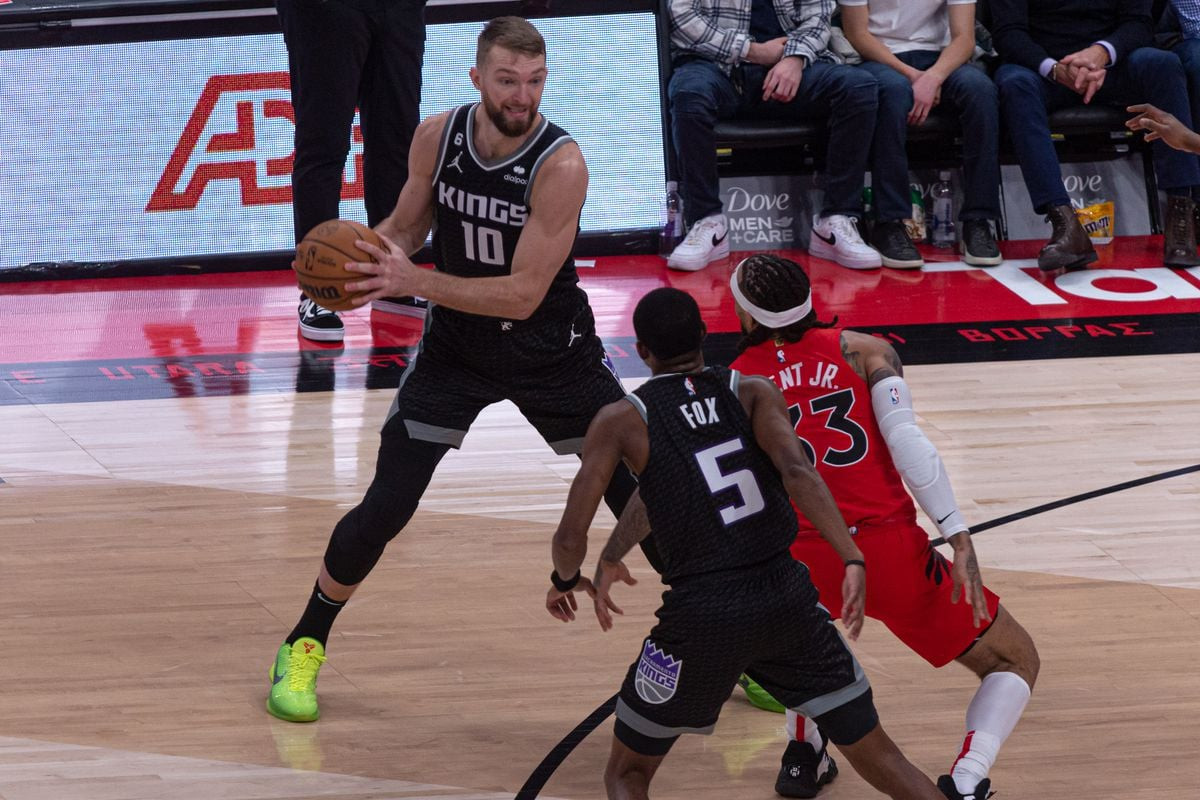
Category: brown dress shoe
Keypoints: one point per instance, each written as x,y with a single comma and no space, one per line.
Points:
1179,237
1069,247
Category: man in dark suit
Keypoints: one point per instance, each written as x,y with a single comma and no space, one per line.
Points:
1059,53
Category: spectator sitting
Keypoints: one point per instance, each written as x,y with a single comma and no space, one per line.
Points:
765,58
919,51
1058,53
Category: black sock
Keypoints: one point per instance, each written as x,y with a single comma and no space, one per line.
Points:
317,619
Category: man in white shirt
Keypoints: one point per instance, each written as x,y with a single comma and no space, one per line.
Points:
919,51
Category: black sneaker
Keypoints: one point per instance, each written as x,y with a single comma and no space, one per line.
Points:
408,306
804,771
979,246
982,791
895,247
319,324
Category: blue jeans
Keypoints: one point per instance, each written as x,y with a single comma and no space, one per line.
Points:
699,94
969,94
1188,51
1148,75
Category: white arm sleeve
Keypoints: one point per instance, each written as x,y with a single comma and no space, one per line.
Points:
915,456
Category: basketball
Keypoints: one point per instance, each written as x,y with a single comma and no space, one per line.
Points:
321,258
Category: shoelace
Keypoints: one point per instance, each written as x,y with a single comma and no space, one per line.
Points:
700,232
311,309
302,670
846,230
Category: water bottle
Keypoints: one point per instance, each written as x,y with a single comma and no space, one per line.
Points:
672,229
942,234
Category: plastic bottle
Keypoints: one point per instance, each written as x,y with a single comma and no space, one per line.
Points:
942,228
672,229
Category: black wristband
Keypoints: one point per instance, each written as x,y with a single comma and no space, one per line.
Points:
567,585
855,562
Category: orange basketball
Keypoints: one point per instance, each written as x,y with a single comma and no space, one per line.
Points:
321,258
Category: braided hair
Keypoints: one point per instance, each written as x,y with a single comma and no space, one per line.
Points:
774,283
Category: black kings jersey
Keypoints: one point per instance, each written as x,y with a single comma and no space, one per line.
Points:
714,500
480,209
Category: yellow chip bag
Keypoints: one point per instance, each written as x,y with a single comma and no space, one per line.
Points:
1098,220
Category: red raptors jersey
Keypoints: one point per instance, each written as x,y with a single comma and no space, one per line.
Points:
830,406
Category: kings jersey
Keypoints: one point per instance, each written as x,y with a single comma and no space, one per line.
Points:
830,407
480,209
714,500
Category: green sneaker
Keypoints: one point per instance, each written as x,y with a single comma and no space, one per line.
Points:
758,696
294,680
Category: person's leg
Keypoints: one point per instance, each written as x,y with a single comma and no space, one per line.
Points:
1006,661
1025,101
971,93
389,102
1188,51
698,94
327,45
628,773
846,97
889,165
880,763
1150,75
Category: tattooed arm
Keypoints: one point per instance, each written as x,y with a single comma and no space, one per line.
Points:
632,527
871,357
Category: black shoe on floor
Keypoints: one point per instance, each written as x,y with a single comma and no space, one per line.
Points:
804,771
982,790
408,306
979,246
894,245
319,324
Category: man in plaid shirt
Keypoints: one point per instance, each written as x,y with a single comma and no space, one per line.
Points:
766,58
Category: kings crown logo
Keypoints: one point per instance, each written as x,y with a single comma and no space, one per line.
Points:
657,675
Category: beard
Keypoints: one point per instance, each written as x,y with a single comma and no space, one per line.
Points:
507,125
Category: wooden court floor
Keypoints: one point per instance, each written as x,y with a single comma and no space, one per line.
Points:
156,552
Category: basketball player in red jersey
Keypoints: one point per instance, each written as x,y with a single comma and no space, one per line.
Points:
853,413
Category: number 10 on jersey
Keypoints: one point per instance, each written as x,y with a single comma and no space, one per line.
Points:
485,245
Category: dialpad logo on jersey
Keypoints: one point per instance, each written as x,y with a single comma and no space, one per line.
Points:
657,675
241,130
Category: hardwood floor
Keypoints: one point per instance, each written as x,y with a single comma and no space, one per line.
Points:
157,551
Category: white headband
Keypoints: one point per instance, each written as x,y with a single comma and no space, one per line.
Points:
772,319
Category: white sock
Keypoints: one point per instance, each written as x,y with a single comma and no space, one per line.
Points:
991,717
812,734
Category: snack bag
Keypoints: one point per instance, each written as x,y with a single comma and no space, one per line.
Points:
1099,220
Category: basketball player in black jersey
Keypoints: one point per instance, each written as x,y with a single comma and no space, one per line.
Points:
502,189
716,460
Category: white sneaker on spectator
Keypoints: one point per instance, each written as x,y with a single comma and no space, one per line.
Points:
706,242
836,238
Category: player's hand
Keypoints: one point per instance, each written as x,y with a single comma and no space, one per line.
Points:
854,600
392,274
562,605
783,80
608,573
968,584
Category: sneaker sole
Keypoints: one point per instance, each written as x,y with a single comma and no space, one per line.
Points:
693,266
290,717
322,334
820,249
1081,262
893,263
982,261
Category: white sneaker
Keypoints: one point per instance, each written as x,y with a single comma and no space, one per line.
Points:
706,242
836,238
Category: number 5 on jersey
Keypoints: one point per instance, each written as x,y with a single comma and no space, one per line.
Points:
742,480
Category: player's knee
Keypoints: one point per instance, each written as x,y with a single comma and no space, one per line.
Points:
1007,647
360,537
